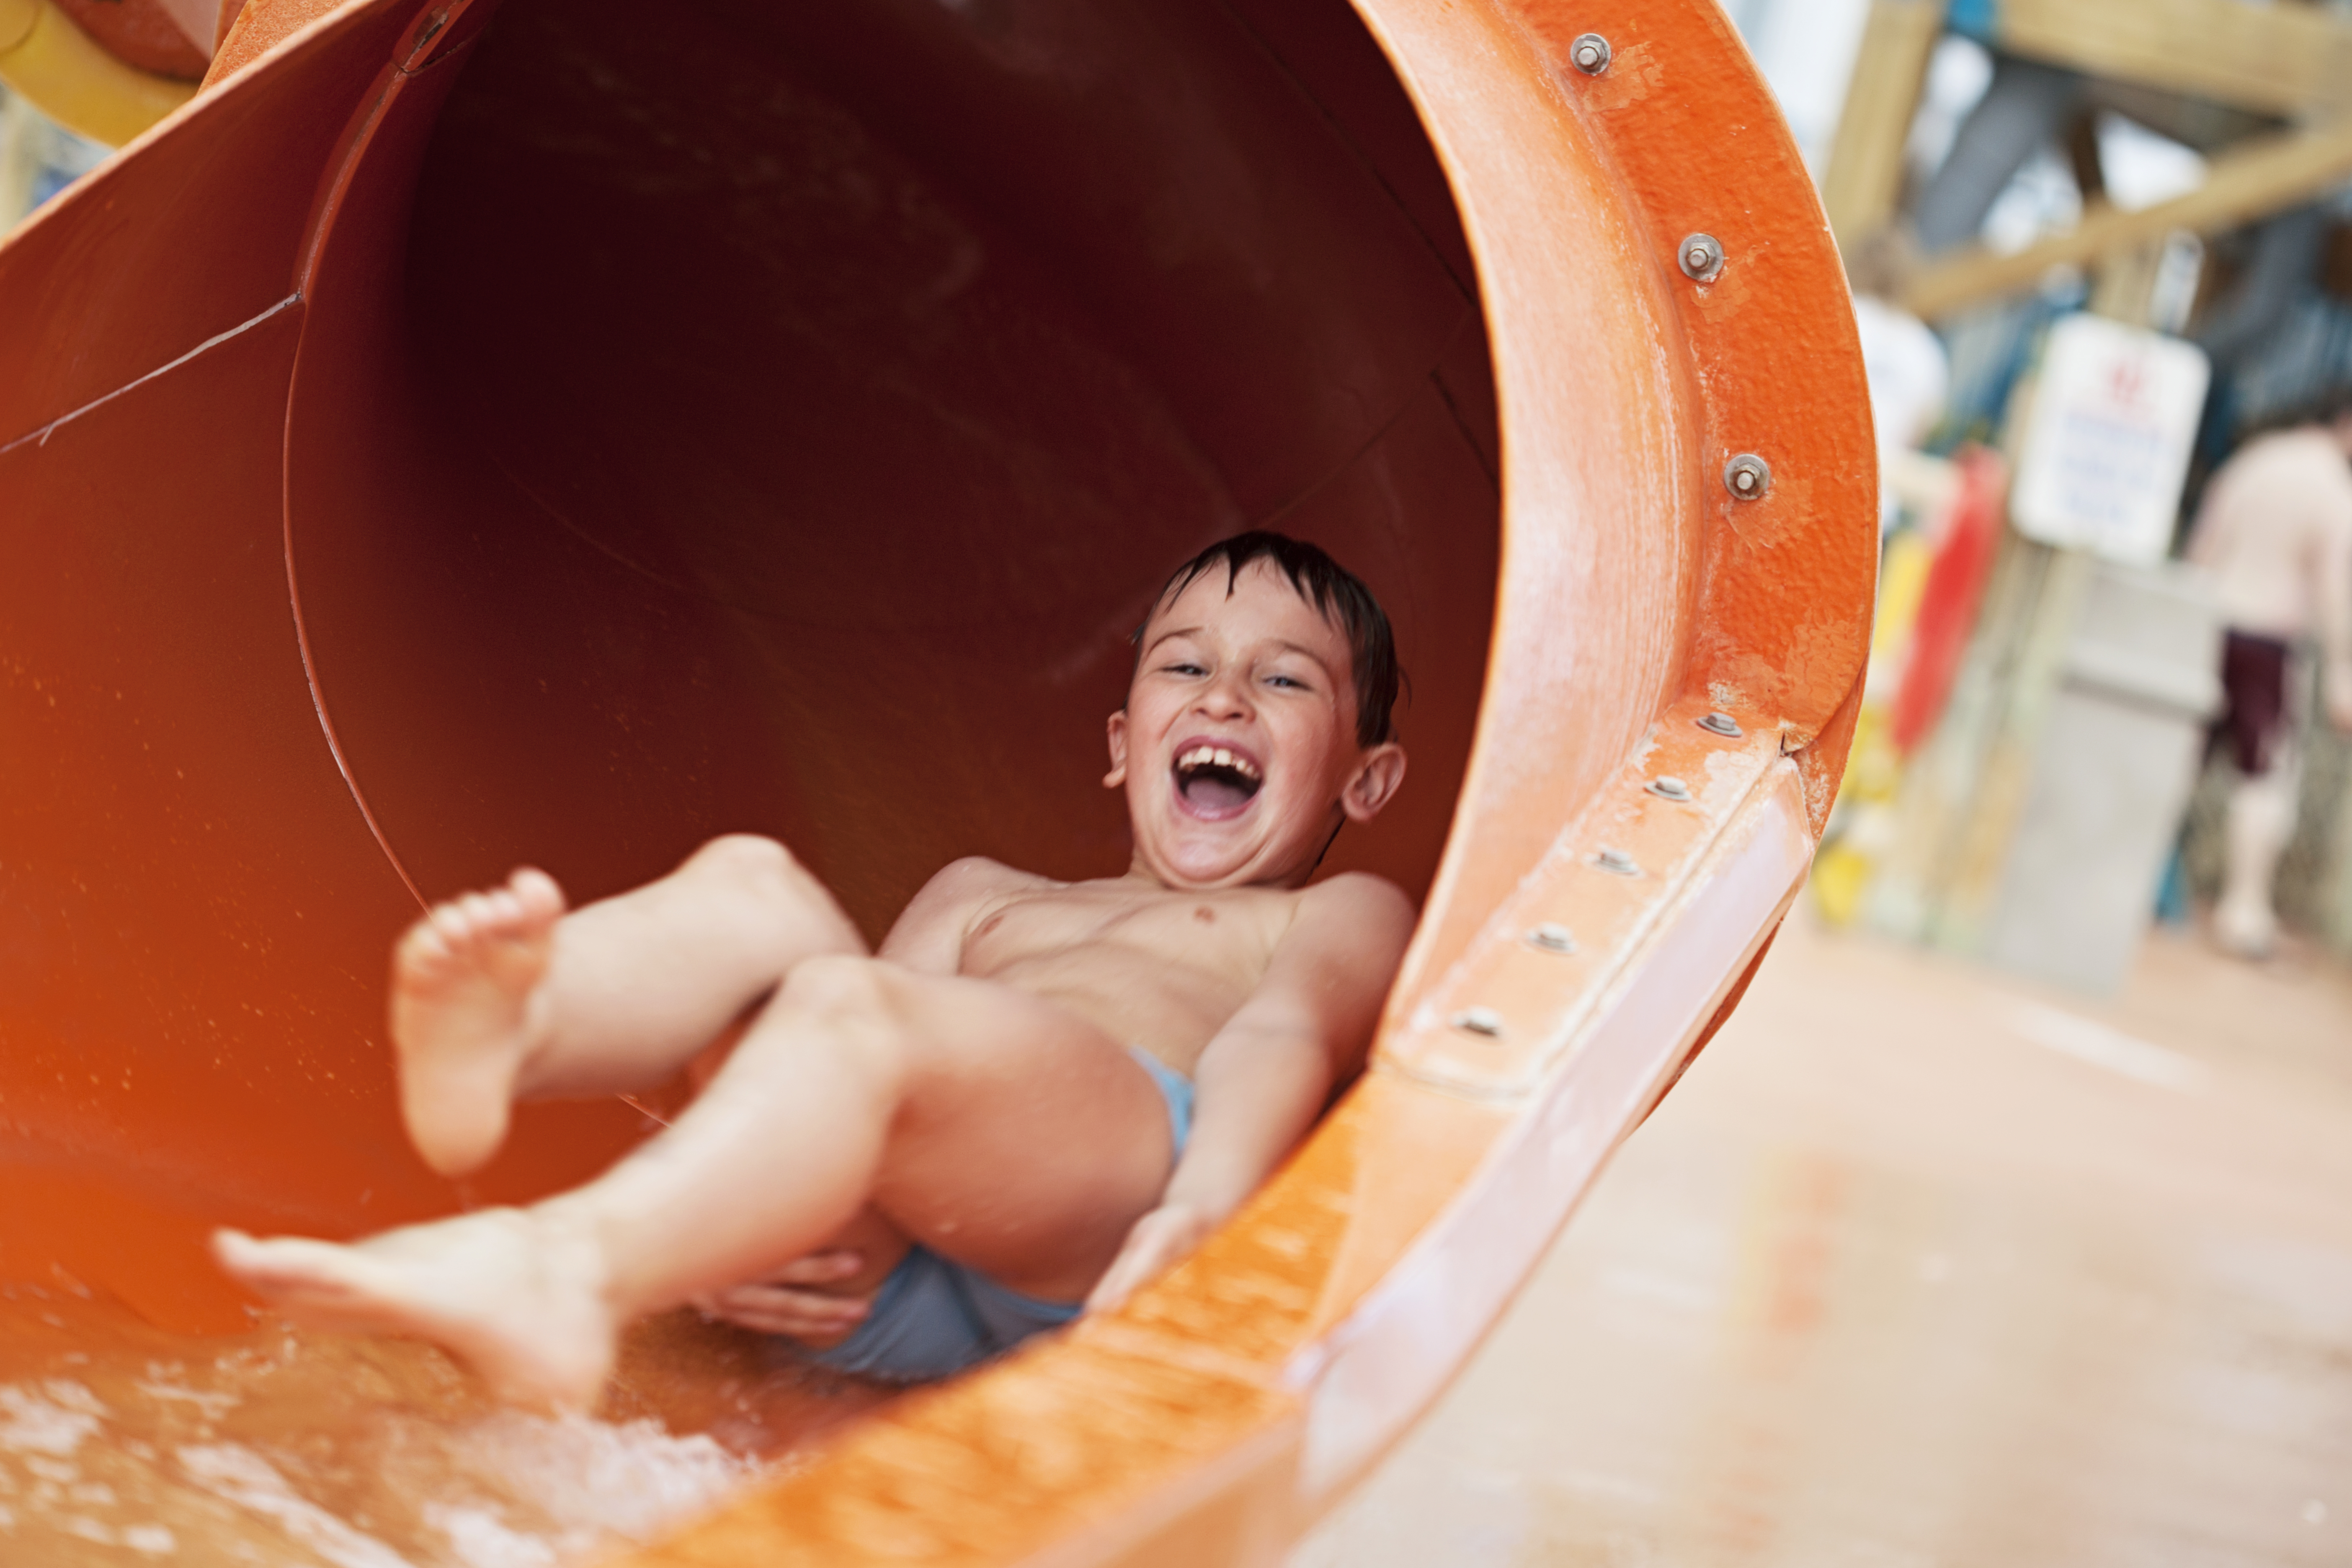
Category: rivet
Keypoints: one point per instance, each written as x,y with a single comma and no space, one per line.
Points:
1479,1021
1668,787
1591,53
1617,863
1701,256
1551,938
1722,724
1747,477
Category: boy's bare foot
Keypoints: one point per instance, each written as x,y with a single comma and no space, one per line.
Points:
462,982
518,1296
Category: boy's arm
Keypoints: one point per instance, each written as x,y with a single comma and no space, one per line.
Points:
1265,1076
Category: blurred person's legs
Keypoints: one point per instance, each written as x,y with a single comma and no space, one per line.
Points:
2261,812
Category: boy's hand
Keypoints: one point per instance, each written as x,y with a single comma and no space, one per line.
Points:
1158,1241
793,1302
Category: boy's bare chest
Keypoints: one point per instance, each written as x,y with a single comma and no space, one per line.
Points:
1227,935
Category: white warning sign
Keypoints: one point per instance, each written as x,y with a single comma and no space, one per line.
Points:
2107,444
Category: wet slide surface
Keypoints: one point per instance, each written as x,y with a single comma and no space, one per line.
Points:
475,434
123,1443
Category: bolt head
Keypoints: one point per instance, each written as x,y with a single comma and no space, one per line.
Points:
1551,937
1747,477
1617,863
1670,787
1479,1021
1590,53
1700,256
1722,724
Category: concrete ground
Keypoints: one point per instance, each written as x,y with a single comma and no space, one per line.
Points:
1923,1266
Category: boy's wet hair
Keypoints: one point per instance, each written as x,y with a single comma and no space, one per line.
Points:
1338,594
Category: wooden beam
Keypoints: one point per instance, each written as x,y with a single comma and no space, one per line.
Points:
1865,177
2285,59
2241,185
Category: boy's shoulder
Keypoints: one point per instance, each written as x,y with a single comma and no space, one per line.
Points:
979,871
1358,890
930,931
975,879
1351,905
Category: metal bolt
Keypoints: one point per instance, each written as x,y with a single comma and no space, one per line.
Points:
1479,1021
1747,477
1722,724
1617,863
1668,787
1591,53
1551,938
1701,256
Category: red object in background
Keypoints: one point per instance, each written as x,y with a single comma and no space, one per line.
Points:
1948,607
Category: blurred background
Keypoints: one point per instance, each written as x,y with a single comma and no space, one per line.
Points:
38,157
2007,1222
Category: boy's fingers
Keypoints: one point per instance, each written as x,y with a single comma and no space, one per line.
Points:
819,1267
1137,1262
783,1303
778,1298
1112,1291
790,1324
1160,1240
776,1302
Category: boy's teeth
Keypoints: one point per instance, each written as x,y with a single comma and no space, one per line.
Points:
1216,757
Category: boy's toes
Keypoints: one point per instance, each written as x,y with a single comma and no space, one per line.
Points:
424,950
536,892
272,1266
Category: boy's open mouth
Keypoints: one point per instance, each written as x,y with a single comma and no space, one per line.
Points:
1216,781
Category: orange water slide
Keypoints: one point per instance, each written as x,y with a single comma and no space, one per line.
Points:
561,430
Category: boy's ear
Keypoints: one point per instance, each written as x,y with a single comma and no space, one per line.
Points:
1374,781
1117,774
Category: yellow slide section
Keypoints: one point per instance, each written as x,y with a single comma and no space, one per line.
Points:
64,75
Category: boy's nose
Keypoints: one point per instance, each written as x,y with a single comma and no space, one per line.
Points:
1227,696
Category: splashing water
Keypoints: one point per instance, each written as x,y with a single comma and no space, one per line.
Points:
119,1443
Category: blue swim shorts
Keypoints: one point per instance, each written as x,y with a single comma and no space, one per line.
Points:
934,1317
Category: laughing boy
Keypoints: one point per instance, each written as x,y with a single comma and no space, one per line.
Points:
1033,1098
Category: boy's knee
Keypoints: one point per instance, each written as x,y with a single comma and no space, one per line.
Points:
839,985
848,1002
747,859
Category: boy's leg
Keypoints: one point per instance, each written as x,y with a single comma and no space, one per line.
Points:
501,995
987,1123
